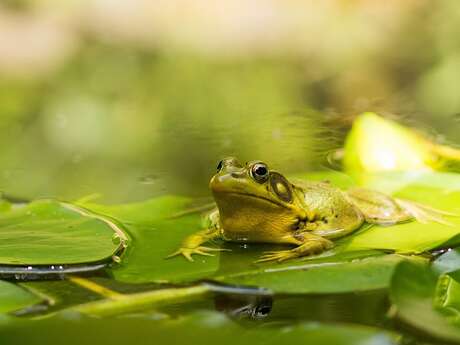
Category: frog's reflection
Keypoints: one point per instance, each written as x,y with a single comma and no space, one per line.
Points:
244,306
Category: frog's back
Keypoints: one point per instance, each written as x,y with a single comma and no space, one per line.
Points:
333,214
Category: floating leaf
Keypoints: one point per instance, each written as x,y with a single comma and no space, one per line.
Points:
48,232
426,301
371,273
156,234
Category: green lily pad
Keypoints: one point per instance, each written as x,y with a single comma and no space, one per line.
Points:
337,276
155,235
427,301
206,327
13,297
356,262
48,232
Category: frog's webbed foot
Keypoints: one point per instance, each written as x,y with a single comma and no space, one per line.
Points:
201,250
279,255
193,244
312,246
424,213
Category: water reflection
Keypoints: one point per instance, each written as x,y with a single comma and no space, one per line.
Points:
368,308
244,306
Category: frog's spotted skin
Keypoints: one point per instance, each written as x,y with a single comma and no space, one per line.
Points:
256,204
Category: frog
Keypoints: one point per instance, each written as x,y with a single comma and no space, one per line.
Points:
256,204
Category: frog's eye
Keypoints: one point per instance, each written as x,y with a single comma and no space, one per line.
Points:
220,165
259,172
281,186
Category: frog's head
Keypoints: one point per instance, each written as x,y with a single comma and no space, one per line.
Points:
254,202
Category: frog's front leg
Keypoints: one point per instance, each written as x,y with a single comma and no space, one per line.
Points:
308,244
193,244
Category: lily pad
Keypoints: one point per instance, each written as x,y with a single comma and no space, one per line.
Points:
427,301
48,232
357,261
145,260
155,235
337,276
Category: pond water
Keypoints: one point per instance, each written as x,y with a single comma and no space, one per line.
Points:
114,115
113,128
177,156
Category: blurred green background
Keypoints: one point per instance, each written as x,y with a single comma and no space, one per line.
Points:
133,99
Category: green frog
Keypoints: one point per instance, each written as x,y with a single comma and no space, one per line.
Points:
257,204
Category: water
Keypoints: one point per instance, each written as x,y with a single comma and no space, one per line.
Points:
179,155
116,159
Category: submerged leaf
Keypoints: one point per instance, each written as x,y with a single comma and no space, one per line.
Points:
13,297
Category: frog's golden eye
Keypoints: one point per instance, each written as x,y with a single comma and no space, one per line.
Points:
220,165
259,172
281,186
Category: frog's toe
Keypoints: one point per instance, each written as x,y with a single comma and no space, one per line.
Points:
188,252
425,213
279,256
185,252
209,249
200,252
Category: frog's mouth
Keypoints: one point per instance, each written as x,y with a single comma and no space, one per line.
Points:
253,196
